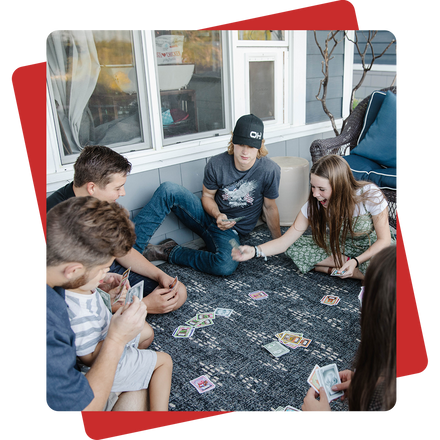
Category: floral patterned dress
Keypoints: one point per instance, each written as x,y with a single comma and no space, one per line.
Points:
305,253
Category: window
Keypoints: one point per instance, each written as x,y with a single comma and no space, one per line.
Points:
261,65
261,35
262,88
191,82
94,82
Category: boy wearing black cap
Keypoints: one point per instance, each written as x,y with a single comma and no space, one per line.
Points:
238,184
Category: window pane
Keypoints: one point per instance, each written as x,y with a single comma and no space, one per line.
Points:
95,88
190,69
261,35
261,89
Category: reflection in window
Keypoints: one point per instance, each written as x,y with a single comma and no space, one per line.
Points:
261,35
95,88
190,69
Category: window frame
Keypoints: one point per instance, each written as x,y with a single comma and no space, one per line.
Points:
294,126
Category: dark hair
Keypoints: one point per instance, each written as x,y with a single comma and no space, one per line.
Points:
97,164
89,231
375,363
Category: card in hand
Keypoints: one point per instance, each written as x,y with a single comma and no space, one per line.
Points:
313,379
124,278
327,377
122,284
335,273
237,219
173,283
136,290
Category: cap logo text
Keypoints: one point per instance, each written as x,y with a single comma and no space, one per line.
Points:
255,135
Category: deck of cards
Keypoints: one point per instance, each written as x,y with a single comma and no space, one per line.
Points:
136,290
326,377
122,284
330,300
335,273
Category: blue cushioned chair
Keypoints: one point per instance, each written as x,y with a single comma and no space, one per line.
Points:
369,136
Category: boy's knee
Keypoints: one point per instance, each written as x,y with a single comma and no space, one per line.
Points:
183,294
225,266
169,188
164,359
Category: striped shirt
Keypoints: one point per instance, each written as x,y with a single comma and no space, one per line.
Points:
89,319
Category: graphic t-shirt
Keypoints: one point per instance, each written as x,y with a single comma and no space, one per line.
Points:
242,193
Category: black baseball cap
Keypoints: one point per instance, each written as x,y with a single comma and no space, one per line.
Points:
248,131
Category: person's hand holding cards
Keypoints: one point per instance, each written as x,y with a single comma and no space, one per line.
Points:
116,286
345,377
223,222
241,253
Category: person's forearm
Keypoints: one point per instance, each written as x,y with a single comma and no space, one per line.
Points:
210,206
374,249
282,243
102,373
273,222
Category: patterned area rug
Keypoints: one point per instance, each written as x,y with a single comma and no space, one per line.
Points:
230,352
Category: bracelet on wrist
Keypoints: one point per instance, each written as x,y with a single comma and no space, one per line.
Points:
357,261
259,253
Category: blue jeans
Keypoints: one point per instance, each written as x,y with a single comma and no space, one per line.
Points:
216,260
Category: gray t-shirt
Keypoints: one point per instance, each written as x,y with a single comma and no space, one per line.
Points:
242,193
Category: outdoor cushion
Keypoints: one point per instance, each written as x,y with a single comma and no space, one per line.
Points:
374,105
366,169
379,143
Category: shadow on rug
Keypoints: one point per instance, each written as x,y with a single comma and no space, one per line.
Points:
230,352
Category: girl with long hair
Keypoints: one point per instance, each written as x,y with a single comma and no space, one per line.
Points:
348,220
373,385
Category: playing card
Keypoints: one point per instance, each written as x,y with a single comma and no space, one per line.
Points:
206,315
234,243
276,349
327,377
336,274
204,323
330,300
193,321
313,379
223,312
290,338
202,384
237,219
259,294
105,297
361,294
136,290
122,284
304,343
183,331
173,283
291,408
